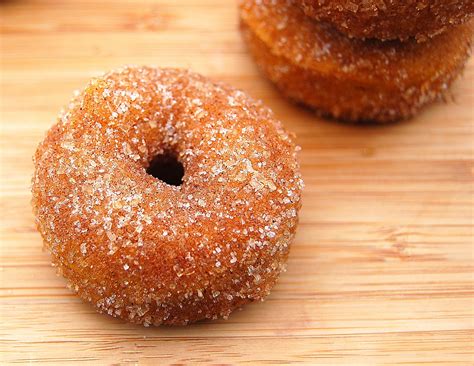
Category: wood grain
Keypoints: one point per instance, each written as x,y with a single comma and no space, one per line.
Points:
381,271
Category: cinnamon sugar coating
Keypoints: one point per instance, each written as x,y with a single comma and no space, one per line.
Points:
393,19
152,253
349,79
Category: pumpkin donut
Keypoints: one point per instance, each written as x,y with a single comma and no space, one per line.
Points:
349,79
394,19
152,252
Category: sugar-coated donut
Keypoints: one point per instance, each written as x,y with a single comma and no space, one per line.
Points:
349,79
151,252
394,19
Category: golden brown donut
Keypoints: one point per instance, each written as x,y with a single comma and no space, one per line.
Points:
346,78
393,19
150,252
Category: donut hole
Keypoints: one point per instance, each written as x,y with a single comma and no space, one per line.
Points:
167,168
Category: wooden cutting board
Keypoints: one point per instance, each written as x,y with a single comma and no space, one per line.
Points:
381,271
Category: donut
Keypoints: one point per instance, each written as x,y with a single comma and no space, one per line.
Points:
207,235
349,79
386,20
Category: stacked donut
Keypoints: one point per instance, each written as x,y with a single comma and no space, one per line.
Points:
370,60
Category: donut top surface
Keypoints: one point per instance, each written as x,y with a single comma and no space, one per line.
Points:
123,236
394,19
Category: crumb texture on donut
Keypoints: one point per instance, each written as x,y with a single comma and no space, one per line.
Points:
349,79
153,253
394,19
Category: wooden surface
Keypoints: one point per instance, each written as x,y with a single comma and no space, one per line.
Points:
381,271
